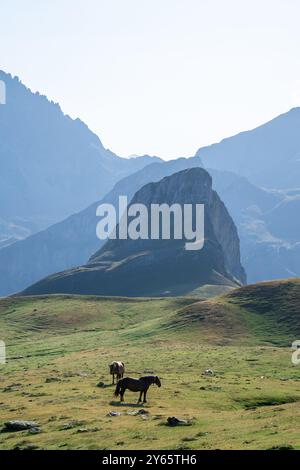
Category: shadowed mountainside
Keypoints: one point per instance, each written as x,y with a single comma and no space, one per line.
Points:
51,165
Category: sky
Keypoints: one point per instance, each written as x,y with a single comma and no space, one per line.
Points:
157,77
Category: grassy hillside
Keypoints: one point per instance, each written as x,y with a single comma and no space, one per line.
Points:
266,312
59,348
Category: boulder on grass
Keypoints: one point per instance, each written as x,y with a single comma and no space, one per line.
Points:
15,426
173,421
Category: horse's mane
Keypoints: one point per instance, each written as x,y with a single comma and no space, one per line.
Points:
149,379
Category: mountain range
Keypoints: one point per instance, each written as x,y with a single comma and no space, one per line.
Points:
55,172
269,156
51,165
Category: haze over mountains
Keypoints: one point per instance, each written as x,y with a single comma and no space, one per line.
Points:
269,156
51,165
161,267
55,171
72,242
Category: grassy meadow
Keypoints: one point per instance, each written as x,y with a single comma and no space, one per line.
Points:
59,348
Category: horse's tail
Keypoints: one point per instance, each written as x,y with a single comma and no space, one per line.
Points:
118,387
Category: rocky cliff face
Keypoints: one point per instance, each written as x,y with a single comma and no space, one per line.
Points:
161,267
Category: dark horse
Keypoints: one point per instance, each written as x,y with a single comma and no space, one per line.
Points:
136,385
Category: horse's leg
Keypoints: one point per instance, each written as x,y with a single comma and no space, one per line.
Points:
122,394
140,399
145,395
113,379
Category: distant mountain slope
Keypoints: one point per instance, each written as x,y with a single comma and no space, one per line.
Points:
268,156
270,240
160,267
50,165
243,198
271,259
72,242
283,220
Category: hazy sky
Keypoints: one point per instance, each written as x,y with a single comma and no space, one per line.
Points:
162,77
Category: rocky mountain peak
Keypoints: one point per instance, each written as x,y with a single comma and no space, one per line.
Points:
161,267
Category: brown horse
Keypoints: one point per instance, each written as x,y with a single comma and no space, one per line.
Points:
117,368
136,385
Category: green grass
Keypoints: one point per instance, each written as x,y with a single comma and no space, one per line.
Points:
251,402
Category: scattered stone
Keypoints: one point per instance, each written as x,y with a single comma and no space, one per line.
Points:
282,447
71,425
173,421
52,418
83,374
50,380
11,388
100,385
36,430
208,372
140,412
15,426
143,412
114,413
34,395
84,430
211,388
26,447
202,434
75,374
